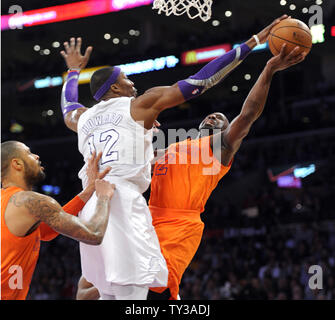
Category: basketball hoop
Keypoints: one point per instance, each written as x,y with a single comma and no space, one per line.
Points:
193,8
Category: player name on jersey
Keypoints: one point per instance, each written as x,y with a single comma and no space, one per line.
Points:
90,124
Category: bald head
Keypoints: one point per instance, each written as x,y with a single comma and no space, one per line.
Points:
9,151
19,164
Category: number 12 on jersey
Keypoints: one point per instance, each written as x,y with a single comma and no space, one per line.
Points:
108,139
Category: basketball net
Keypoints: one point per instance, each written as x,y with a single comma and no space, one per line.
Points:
193,8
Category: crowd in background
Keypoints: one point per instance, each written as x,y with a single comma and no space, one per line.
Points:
271,263
271,266
262,257
289,117
265,255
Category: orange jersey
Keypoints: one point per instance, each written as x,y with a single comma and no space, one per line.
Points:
19,255
181,184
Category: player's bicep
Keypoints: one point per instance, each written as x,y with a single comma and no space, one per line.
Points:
170,97
72,117
43,208
160,98
48,210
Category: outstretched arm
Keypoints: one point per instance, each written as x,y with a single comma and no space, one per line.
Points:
75,61
45,209
229,141
147,107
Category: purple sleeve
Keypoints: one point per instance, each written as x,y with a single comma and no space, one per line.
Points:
69,100
213,72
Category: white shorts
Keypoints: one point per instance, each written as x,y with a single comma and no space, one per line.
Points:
129,253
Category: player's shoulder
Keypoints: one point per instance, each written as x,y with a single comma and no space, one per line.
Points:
32,202
18,202
90,110
25,197
111,103
86,114
21,197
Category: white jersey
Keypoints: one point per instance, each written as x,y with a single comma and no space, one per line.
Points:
129,253
126,144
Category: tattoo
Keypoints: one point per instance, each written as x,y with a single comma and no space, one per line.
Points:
41,207
102,205
49,211
38,205
16,200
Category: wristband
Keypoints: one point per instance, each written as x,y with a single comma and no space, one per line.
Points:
74,206
69,99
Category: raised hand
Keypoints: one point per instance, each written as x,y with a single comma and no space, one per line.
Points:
283,61
264,34
72,55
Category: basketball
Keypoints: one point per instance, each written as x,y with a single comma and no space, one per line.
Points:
294,33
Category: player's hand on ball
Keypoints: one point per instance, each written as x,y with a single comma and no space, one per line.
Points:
264,34
283,61
72,55
104,189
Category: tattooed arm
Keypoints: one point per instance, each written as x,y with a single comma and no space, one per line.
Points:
42,208
74,206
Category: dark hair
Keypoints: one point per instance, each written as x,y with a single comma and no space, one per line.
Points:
99,77
9,150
